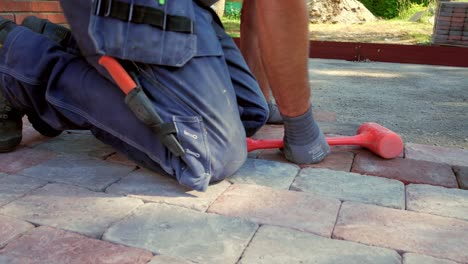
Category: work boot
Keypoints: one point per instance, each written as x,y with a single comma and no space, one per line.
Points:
38,124
11,125
10,119
5,27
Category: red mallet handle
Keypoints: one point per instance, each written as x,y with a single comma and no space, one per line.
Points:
118,73
378,139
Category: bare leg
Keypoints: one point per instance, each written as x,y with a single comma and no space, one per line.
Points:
283,38
251,51
284,44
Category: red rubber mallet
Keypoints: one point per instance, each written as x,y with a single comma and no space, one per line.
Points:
376,138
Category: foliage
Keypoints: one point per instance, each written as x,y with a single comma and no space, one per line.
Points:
392,8
233,10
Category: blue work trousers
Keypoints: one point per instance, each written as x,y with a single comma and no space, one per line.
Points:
212,99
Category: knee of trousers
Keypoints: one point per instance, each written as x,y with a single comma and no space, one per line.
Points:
228,157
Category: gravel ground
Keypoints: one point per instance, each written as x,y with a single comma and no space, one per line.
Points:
424,104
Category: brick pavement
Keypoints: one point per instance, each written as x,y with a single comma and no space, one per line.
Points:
72,199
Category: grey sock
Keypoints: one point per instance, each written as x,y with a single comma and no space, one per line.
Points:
304,142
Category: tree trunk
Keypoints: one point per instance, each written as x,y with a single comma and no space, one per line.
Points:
219,7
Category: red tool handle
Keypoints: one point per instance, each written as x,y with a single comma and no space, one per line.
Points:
254,144
118,73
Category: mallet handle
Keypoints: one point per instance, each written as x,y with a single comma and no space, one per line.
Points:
254,144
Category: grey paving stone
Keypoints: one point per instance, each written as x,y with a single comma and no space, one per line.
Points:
184,233
412,258
301,211
168,260
451,156
13,187
348,186
437,200
77,144
90,173
276,175
462,176
280,245
71,208
153,187
11,228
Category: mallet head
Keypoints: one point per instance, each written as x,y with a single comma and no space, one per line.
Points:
380,140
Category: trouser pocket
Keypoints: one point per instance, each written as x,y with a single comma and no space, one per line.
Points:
195,168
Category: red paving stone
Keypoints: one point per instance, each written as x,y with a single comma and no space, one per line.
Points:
10,228
23,158
270,132
120,159
31,137
49,245
451,156
338,161
407,231
407,171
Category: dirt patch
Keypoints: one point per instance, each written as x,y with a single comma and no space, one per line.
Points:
381,31
339,11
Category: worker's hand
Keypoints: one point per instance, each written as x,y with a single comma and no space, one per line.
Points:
304,142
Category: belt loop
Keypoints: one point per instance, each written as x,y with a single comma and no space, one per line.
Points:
130,12
97,7
109,6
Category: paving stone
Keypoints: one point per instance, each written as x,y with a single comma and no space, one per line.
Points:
338,161
411,258
462,176
49,245
90,173
451,156
121,159
77,144
23,158
31,137
153,187
406,170
267,173
11,228
280,245
270,132
264,205
184,233
273,155
71,208
13,187
403,230
348,186
324,116
437,200
168,260
345,129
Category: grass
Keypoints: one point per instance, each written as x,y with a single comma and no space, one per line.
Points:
396,31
